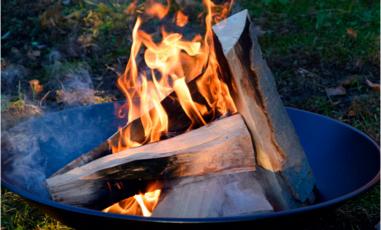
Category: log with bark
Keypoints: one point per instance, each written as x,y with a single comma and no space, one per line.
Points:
277,146
178,123
222,147
177,120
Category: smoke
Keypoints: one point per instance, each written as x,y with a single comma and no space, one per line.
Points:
21,162
75,86
43,130
35,149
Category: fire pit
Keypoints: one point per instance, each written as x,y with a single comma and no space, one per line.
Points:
202,136
345,163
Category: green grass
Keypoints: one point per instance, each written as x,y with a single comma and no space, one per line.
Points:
313,35
319,28
17,214
331,41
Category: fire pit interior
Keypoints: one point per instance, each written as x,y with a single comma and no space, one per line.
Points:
202,134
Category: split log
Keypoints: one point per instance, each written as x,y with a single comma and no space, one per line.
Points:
222,147
178,123
277,146
175,115
283,175
177,119
213,196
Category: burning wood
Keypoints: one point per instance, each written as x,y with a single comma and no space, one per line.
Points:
208,171
212,196
277,146
150,107
140,204
224,146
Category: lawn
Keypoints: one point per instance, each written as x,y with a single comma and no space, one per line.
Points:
314,48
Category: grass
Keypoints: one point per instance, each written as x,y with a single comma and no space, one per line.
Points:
314,45
19,215
338,31
309,45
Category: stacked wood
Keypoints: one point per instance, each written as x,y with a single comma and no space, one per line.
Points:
277,145
222,147
177,120
242,164
214,196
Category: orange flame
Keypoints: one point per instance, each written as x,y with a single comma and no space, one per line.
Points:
131,8
141,204
157,9
220,12
172,62
181,19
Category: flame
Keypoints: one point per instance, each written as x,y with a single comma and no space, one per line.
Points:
220,12
170,63
131,8
186,102
181,19
157,9
140,204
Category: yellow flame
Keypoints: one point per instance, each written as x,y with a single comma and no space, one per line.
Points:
141,204
172,62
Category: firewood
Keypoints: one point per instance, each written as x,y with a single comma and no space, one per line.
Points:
224,146
213,196
178,122
277,147
282,176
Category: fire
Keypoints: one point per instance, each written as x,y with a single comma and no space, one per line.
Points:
157,9
140,204
169,65
186,102
181,19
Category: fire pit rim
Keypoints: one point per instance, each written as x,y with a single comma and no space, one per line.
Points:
310,208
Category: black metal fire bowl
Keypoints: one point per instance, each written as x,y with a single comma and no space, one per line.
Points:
345,163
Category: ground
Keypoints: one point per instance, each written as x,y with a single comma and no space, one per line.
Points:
324,55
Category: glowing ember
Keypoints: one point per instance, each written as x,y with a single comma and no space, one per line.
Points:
172,62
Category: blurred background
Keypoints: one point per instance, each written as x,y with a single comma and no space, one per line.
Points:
325,56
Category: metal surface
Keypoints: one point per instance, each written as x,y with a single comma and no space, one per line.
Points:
345,163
